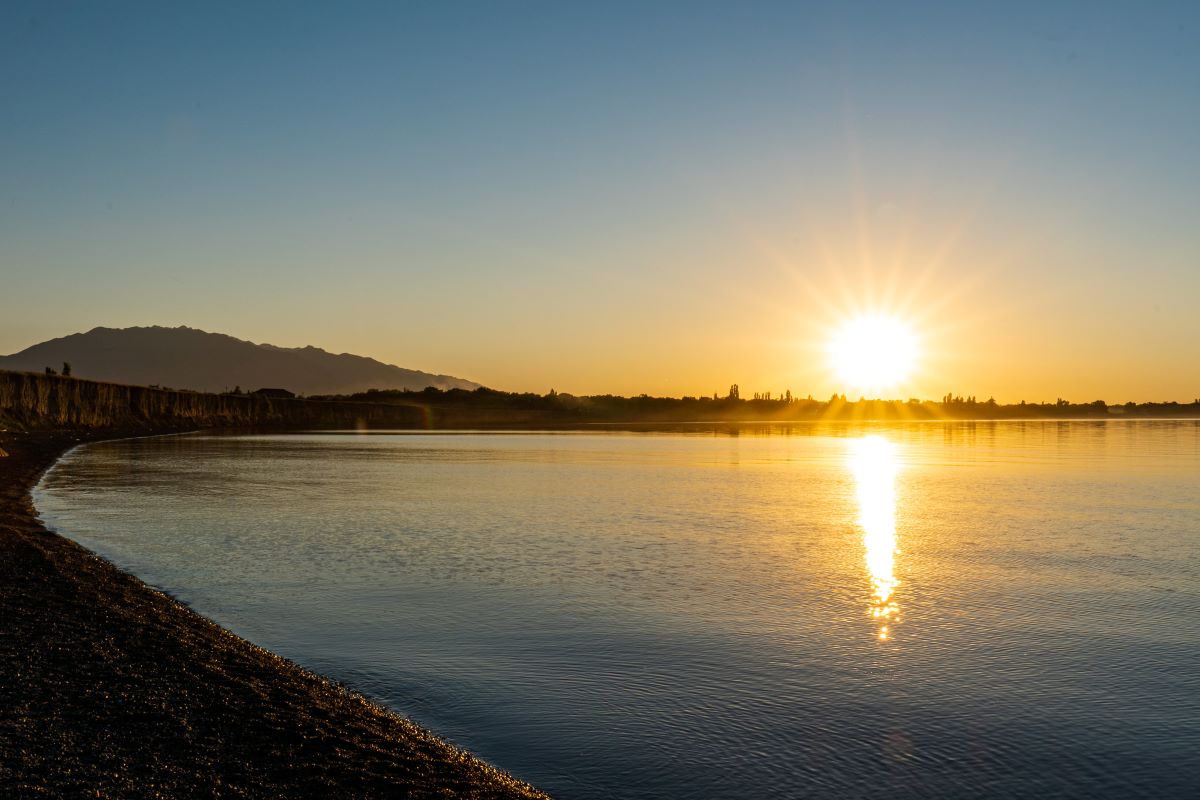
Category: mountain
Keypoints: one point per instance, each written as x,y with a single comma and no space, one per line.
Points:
186,358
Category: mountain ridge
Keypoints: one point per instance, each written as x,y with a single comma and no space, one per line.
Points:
190,358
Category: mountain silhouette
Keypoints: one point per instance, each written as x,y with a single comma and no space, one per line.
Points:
186,358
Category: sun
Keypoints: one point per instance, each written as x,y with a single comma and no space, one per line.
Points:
873,353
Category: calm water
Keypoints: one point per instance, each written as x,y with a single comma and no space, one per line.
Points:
960,609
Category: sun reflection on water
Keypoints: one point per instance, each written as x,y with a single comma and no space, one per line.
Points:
874,462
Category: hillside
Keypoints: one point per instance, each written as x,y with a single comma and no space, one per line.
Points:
186,358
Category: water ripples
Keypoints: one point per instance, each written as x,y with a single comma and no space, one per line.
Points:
701,615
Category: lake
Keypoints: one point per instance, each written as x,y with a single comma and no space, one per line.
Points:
966,609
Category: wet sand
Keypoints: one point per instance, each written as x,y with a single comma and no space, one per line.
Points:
109,688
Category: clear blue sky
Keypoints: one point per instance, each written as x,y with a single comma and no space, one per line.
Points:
618,197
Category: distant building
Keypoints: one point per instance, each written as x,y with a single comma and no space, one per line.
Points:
283,394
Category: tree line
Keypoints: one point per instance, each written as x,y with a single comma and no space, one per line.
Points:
554,406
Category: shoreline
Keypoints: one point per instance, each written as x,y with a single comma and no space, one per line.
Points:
112,688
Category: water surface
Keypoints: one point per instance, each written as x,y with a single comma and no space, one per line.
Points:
945,609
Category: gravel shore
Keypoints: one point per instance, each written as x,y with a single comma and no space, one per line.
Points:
109,688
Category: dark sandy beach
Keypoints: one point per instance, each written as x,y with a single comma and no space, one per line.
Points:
109,688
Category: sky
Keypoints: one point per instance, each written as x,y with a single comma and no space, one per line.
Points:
619,197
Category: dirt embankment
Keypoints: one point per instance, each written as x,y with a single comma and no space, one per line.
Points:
34,401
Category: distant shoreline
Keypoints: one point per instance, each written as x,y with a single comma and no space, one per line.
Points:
33,401
456,407
113,687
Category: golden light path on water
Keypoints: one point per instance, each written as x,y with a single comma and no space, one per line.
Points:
874,462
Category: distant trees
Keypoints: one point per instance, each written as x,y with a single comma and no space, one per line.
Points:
66,369
50,371
492,406
950,399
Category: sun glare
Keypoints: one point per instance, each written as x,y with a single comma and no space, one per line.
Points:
875,462
873,353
